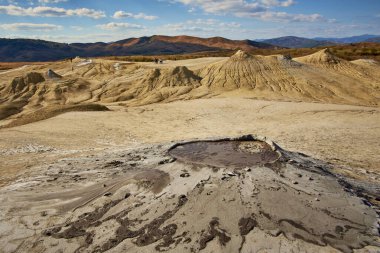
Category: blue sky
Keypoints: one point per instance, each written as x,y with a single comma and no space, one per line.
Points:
111,20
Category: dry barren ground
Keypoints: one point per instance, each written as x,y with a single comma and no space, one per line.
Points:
347,136
87,155
125,179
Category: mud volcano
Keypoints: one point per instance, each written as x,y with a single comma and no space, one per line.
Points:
143,200
232,154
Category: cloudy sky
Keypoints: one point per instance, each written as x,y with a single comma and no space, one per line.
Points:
111,20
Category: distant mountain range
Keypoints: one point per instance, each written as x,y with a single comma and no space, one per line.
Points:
353,39
23,50
39,50
376,40
297,42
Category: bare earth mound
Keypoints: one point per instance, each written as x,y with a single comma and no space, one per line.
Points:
153,176
52,111
320,77
147,201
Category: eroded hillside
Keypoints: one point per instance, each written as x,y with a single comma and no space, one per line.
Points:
320,77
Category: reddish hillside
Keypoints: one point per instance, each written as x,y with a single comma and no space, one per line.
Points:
215,42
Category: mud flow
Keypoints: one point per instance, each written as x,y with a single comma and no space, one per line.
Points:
236,154
226,195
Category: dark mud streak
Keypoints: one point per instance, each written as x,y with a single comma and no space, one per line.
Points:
335,241
85,221
149,233
246,225
214,231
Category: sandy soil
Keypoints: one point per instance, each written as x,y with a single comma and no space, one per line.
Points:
142,200
105,180
320,77
318,130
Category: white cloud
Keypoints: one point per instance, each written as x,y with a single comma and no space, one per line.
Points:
77,28
259,9
277,3
122,14
224,6
44,11
118,26
51,1
30,27
283,17
82,38
203,25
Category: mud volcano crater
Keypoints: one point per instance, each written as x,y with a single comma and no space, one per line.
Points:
226,153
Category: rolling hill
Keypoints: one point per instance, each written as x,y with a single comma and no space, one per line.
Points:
352,39
375,40
297,42
319,77
12,50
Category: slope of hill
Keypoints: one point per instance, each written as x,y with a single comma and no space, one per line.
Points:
12,50
320,77
353,39
216,42
376,40
297,42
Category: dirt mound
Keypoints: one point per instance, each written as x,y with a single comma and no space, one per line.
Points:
158,204
52,111
52,75
166,84
246,71
240,55
19,83
8,110
366,62
322,57
320,77
178,76
156,85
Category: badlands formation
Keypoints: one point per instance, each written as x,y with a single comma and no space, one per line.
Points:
241,154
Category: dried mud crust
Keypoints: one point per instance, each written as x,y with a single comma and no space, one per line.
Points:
148,206
235,153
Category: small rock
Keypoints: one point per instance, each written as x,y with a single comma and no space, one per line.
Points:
247,169
185,175
231,174
294,182
316,199
107,194
127,195
182,199
169,160
311,179
50,231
